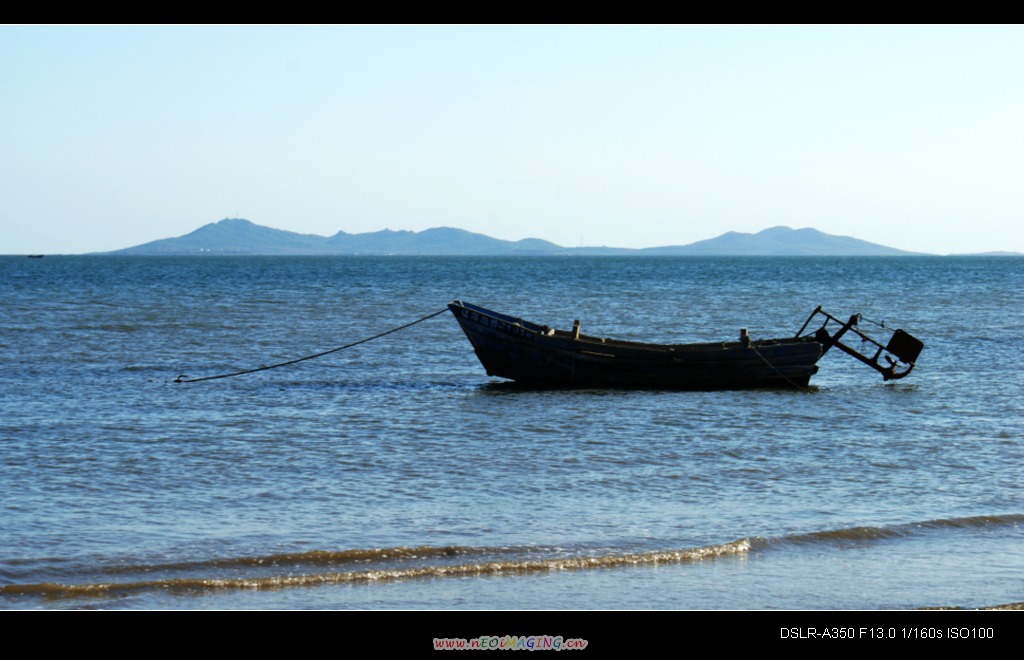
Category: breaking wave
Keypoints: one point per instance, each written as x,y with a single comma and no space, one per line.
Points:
318,568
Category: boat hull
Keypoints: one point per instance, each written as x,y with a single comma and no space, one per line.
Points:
536,355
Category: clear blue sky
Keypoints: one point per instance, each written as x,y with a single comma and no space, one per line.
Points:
912,137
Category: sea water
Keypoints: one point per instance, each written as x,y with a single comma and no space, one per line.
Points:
397,475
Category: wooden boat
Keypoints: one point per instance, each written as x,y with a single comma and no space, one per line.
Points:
537,355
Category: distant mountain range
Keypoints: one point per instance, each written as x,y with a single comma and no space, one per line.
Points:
235,236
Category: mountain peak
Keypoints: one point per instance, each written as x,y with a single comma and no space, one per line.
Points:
227,223
780,230
781,241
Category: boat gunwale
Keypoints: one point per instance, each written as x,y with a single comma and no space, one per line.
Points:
546,332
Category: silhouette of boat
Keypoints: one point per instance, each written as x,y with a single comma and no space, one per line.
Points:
537,355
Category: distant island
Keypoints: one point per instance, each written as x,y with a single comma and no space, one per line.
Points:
237,236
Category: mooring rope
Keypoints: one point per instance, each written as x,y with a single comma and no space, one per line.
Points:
185,379
776,369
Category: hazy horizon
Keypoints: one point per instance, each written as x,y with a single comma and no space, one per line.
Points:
714,239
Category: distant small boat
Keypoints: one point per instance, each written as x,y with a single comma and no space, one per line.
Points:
35,256
528,353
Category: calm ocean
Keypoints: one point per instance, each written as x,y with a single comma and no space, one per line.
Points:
397,475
